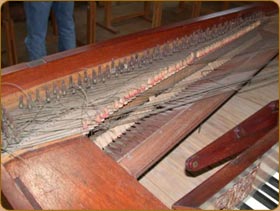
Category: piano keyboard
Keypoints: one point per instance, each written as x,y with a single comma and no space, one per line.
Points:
266,198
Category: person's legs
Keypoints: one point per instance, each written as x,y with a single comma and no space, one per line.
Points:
37,15
66,27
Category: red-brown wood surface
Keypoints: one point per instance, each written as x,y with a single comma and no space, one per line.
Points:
237,139
142,157
209,187
60,65
162,140
8,188
75,174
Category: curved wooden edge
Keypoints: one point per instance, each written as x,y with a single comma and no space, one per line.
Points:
13,194
235,140
202,193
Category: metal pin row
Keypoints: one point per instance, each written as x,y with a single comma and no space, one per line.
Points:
134,61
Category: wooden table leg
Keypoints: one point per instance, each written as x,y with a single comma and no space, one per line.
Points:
196,9
91,22
108,13
10,35
108,18
157,13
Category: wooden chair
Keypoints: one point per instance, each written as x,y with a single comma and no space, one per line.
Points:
109,19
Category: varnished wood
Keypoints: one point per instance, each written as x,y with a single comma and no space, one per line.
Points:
80,162
236,140
8,24
196,9
200,194
134,161
10,190
59,65
75,174
167,180
157,14
91,22
153,147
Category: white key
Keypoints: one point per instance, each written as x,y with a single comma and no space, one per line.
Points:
276,175
254,204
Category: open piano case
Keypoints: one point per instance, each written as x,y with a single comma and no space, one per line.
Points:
125,124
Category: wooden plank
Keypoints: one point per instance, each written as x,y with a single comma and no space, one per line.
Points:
76,174
202,193
235,140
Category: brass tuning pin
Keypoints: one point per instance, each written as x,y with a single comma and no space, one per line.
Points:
87,80
29,101
125,65
80,81
47,94
37,96
56,91
113,67
101,76
72,85
20,102
63,88
107,71
94,77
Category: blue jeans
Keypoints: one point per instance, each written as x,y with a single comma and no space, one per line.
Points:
37,15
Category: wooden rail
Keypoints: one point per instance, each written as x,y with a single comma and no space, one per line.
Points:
236,140
202,193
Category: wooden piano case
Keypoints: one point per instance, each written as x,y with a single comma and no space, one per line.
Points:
72,172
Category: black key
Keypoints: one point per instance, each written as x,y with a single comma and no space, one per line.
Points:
271,192
245,207
274,182
264,200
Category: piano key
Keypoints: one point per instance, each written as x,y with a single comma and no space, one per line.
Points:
244,206
276,175
254,204
268,196
272,187
274,182
270,191
264,200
